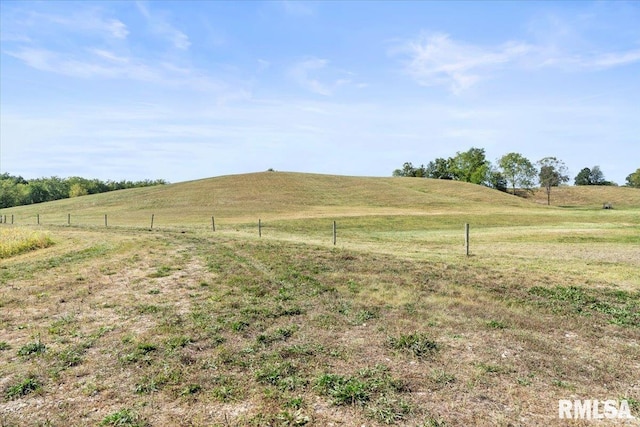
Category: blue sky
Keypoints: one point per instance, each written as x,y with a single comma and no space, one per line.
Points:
188,90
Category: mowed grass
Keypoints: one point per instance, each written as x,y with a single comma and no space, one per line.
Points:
393,325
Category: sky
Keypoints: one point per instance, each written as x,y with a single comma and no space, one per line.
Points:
186,90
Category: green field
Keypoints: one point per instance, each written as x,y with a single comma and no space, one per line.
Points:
181,325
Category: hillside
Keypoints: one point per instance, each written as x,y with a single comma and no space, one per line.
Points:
278,195
300,199
590,196
395,324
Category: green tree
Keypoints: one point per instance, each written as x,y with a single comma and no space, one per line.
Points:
408,170
593,176
596,176
518,171
633,180
583,177
471,166
439,169
77,190
9,194
497,180
553,173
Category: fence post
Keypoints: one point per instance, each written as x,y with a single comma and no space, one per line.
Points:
213,223
105,220
38,218
259,228
11,218
69,220
466,238
334,233
152,215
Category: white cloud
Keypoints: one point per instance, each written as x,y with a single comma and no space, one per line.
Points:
85,67
160,26
609,60
117,29
438,60
84,21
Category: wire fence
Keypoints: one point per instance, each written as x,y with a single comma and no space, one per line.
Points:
150,222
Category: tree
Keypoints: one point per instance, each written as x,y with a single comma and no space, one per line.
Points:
408,170
77,190
583,177
593,176
439,169
518,170
633,180
497,180
471,166
553,173
596,176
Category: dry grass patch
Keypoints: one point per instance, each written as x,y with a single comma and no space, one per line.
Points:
201,329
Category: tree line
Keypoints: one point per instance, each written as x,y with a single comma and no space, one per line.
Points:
512,170
17,191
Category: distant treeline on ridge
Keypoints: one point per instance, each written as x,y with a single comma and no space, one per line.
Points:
17,191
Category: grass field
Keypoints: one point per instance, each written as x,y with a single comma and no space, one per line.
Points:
180,325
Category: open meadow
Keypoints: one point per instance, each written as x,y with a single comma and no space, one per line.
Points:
181,325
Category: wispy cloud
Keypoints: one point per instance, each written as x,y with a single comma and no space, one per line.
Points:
86,21
315,75
613,59
439,60
99,64
160,25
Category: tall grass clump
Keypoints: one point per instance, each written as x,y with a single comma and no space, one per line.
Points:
14,241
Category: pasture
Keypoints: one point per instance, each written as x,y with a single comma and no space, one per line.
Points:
181,325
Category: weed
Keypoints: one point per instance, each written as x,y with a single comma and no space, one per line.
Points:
388,410
178,342
496,324
162,271
343,390
4,346
280,374
191,389
71,357
295,403
36,347
280,334
441,377
239,325
363,316
140,353
418,344
124,418
28,385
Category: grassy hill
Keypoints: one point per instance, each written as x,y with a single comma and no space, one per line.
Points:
282,192
270,195
590,196
394,324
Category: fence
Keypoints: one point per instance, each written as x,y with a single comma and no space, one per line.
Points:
93,222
